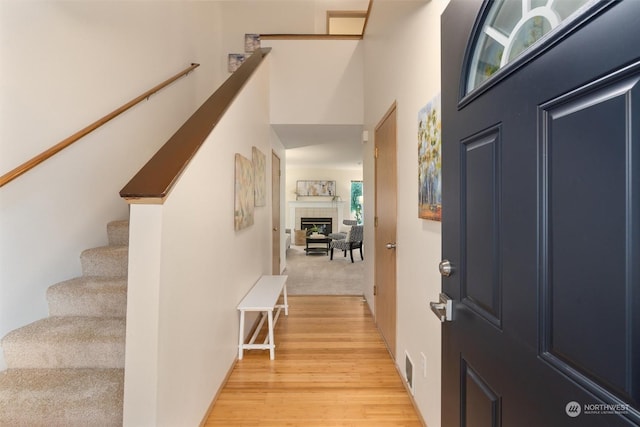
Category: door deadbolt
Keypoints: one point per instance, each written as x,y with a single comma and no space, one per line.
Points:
445,267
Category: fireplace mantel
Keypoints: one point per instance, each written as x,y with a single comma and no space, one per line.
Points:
338,206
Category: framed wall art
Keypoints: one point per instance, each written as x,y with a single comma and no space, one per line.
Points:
251,42
316,188
244,193
430,161
259,176
235,61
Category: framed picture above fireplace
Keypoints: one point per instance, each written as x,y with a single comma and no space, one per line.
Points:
316,188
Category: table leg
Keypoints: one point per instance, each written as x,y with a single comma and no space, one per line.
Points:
272,345
241,337
286,304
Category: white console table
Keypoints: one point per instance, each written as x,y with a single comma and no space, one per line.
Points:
263,297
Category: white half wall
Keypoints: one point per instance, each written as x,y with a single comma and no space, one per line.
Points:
189,269
64,65
402,63
316,82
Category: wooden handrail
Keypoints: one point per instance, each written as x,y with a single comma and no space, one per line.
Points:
30,164
154,181
310,37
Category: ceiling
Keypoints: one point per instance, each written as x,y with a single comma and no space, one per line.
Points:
322,146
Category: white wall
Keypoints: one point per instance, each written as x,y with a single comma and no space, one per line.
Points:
402,63
316,82
189,269
63,65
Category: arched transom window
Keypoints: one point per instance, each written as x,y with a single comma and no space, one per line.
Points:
510,27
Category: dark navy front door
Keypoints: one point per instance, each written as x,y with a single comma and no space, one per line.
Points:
541,217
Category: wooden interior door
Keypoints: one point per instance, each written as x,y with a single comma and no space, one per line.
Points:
276,232
385,227
541,218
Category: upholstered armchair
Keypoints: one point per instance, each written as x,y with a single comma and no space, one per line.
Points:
343,234
353,240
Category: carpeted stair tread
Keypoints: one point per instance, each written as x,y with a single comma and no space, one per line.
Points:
105,261
61,397
118,232
67,342
67,369
89,296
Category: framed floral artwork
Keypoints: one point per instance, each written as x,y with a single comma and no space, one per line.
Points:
430,161
244,193
259,176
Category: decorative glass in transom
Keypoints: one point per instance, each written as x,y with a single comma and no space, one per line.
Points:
510,28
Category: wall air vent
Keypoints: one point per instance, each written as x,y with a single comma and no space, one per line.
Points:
408,371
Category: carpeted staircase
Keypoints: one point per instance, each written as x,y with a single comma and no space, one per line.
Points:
68,369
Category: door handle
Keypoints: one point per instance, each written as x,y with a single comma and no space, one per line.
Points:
443,309
445,267
275,228
390,245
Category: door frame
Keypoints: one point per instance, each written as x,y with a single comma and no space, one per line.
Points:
276,234
391,307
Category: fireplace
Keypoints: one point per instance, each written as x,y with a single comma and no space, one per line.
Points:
323,224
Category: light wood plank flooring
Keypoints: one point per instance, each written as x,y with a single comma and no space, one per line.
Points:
331,369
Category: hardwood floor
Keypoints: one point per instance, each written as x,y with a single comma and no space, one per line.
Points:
331,369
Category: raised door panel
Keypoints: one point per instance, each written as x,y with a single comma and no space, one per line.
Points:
590,306
480,403
481,238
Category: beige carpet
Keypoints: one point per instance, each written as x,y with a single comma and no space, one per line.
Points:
314,274
67,370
